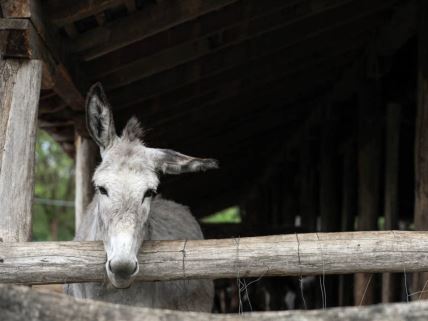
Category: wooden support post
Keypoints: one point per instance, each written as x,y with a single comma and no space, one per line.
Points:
421,140
289,196
369,154
19,95
86,161
349,209
329,194
329,189
390,282
308,197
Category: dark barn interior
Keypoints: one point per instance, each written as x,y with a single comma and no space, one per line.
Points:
310,106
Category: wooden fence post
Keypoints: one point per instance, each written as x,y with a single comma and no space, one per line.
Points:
390,282
369,154
19,94
349,209
329,197
421,141
86,161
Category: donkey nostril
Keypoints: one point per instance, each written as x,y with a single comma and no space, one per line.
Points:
124,268
135,267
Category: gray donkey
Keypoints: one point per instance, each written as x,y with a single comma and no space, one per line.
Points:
125,211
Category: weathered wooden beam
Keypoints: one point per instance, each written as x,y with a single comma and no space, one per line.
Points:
19,95
421,141
195,49
22,304
30,38
86,161
64,12
280,255
143,24
183,126
390,282
234,63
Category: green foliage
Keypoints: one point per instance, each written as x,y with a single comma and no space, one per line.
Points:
229,215
54,180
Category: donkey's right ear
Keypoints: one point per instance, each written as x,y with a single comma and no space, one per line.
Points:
99,117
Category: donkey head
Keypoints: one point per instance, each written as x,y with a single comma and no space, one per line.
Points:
126,183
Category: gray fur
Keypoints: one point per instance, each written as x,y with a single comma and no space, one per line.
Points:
124,212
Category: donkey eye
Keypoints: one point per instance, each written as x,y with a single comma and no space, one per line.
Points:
149,193
102,190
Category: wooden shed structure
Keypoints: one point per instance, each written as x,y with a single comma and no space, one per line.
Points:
316,109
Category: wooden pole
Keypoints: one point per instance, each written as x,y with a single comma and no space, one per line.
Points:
349,209
369,147
308,198
279,255
86,161
19,94
390,282
22,304
421,141
329,195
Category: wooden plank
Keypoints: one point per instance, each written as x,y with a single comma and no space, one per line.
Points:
21,303
13,24
421,141
86,161
391,289
19,95
202,40
26,42
183,126
279,255
217,25
143,24
200,59
233,62
66,12
15,8
369,155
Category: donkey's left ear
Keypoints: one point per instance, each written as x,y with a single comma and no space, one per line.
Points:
99,117
172,162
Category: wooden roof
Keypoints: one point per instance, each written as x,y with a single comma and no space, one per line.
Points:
227,79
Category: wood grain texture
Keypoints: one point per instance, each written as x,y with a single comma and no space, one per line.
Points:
295,254
19,96
143,24
21,303
421,139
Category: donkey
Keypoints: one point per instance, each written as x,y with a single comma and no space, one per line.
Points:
125,212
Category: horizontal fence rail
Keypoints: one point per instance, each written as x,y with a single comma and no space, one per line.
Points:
22,304
279,255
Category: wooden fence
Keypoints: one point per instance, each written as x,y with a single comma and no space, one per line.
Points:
280,255
21,303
